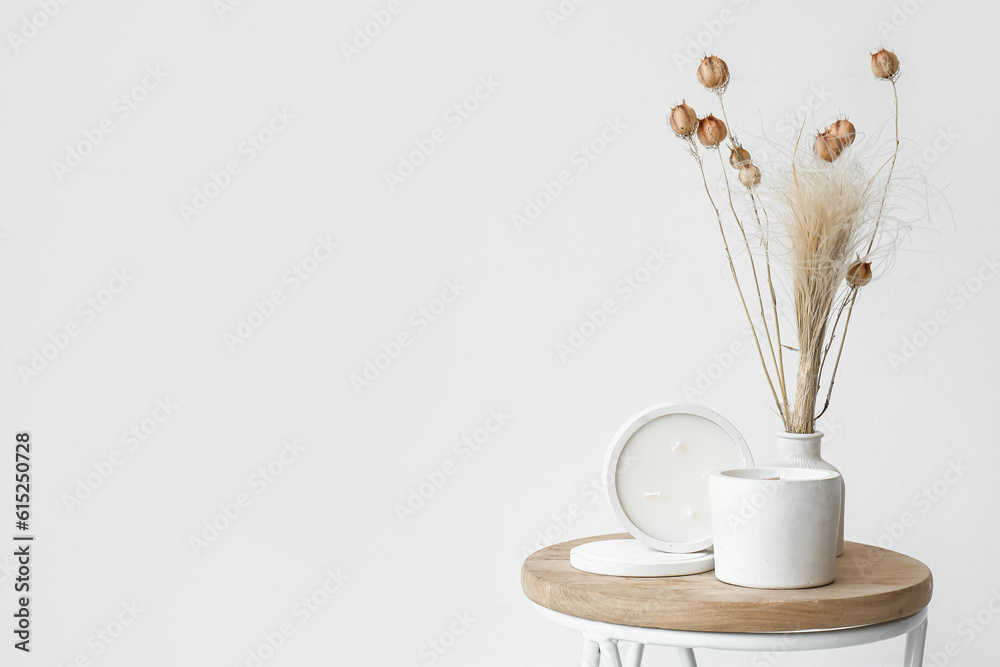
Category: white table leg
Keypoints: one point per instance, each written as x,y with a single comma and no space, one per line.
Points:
609,651
915,640
635,655
687,657
591,653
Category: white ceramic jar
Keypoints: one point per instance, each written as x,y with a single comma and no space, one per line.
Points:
802,450
775,527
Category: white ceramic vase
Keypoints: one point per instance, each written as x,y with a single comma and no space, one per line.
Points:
775,527
802,450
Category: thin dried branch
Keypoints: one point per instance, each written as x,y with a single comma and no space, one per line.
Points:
775,357
840,350
892,165
833,330
732,268
765,234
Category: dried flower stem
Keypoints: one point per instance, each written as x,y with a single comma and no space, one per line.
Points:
836,363
774,300
833,334
756,280
833,331
795,152
779,364
892,165
732,268
806,384
878,219
725,118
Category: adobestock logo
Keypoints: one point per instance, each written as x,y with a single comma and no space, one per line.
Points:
8,567
456,116
581,159
775,651
464,449
901,14
434,648
420,320
294,277
592,491
943,141
960,296
969,629
225,7
562,12
104,637
714,370
750,505
252,146
33,24
87,311
924,501
790,124
121,108
366,33
133,438
230,511
712,29
624,289
302,612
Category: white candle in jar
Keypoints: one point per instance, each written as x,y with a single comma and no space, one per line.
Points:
661,475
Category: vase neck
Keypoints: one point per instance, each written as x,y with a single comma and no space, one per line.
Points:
801,451
799,448
795,444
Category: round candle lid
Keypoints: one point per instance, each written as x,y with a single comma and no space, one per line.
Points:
632,558
657,474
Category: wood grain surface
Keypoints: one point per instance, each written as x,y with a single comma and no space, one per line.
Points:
873,585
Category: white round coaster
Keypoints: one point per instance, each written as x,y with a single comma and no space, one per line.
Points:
632,558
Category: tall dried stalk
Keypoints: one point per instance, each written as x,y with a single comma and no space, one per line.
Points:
892,165
765,240
822,218
778,365
852,295
878,219
732,268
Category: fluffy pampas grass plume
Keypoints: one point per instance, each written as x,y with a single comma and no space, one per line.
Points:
822,211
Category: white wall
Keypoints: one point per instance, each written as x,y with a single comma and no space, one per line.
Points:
894,429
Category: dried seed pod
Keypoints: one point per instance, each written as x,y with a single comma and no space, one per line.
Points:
885,64
843,131
859,274
739,157
683,120
711,131
713,73
827,147
749,176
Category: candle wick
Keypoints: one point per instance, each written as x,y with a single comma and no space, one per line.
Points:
678,445
652,494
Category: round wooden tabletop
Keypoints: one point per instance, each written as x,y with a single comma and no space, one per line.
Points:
873,585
